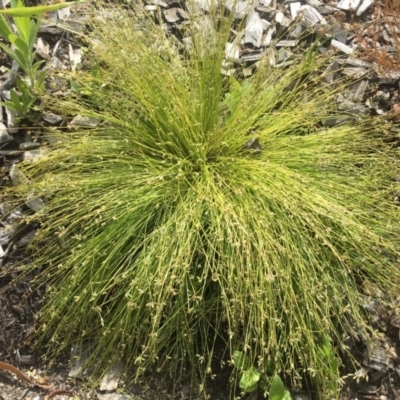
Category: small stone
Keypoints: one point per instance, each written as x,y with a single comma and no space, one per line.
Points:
254,30
34,155
43,49
364,6
348,4
342,47
287,43
29,145
314,3
294,9
267,39
17,176
116,396
173,15
52,119
232,52
111,379
34,203
84,122
242,8
4,135
281,19
312,16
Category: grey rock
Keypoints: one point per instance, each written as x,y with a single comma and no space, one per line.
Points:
175,14
342,47
56,63
364,6
266,41
312,16
377,358
283,55
358,62
33,155
251,57
391,78
348,4
355,72
326,10
6,234
240,8
357,90
349,106
254,29
314,3
232,52
79,356
116,396
297,31
294,9
281,19
287,43
332,69
52,119
12,124
29,145
84,122
5,137
111,379
204,4
13,218
17,176
34,203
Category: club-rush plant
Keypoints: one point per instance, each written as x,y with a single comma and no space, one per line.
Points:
207,213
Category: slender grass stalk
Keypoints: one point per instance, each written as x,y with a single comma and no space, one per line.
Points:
163,232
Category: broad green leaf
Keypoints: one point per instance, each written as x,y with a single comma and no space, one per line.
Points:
37,10
10,105
15,100
21,45
249,378
5,29
23,27
277,390
13,54
241,361
34,28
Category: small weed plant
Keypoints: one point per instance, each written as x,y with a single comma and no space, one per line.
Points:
206,209
21,32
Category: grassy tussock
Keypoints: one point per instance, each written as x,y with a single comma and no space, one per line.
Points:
162,232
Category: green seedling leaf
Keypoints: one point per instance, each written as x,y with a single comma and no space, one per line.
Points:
241,361
14,103
37,10
250,379
34,28
20,44
277,390
5,29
